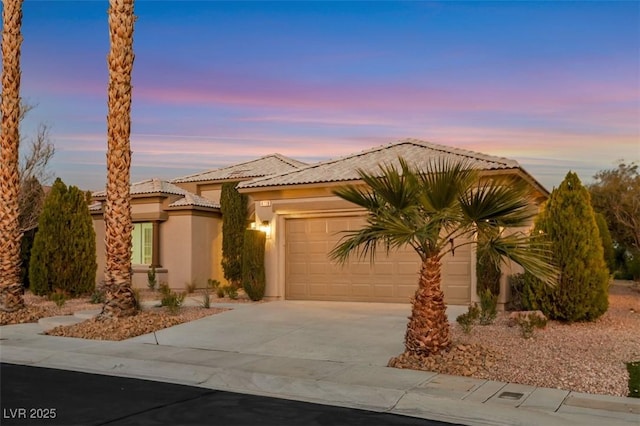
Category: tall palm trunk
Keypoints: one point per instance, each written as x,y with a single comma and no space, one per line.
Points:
428,328
11,298
120,299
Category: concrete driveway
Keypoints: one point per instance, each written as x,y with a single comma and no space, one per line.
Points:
363,333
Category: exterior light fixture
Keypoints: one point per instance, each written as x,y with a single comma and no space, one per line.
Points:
265,227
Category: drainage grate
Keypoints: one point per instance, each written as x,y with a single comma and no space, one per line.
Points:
511,395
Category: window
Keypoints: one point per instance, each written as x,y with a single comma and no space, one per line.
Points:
142,243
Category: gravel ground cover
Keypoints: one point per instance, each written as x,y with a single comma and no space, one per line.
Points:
583,357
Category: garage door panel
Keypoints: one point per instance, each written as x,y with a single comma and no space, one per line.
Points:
310,274
360,290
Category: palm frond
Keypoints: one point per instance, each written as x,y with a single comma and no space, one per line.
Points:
498,203
532,253
441,183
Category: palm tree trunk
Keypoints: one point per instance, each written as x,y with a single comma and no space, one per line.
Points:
11,298
120,299
428,327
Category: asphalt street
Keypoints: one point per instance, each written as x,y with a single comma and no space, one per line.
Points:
43,396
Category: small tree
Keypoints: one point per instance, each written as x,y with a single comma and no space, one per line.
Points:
64,250
616,194
253,273
233,206
33,174
569,223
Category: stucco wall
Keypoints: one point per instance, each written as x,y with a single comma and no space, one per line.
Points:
189,247
176,249
98,227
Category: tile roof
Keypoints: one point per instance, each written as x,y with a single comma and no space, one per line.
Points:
264,166
94,207
158,186
345,168
191,199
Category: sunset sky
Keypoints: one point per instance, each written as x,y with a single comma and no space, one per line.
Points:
554,85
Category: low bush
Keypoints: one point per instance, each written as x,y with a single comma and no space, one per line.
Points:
206,300
170,299
220,291
59,297
151,278
488,307
191,286
528,323
467,319
231,292
98,297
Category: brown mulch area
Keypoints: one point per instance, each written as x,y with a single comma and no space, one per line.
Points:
146,321
37,307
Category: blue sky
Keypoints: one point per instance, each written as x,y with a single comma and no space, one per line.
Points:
554,85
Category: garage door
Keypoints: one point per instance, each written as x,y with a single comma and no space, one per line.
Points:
310,275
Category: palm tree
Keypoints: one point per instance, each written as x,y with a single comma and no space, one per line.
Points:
435,210
11,298
120,299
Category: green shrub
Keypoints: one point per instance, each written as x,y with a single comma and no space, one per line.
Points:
634,378
170,299
64,249
26,244
528,323
151,278
231,292
633,265
98,297
191,286
253,273
213,284
607,243
488,274
569,223
233,207
467,319
488,307
206,300
220,291
173,302
59,297
516,287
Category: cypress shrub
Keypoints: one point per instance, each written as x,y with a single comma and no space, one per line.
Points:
253,273
488,275
607,242
233,207
25,255
63,257
568,221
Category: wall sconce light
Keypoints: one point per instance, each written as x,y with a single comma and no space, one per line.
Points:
265,227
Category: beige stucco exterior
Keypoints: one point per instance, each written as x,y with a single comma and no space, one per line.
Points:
282,207
302,221
188,248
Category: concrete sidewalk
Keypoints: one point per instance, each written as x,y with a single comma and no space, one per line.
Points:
322,352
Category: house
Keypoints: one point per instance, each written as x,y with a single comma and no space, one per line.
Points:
177,224
303,220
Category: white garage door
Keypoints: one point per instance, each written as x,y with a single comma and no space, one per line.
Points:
311,275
